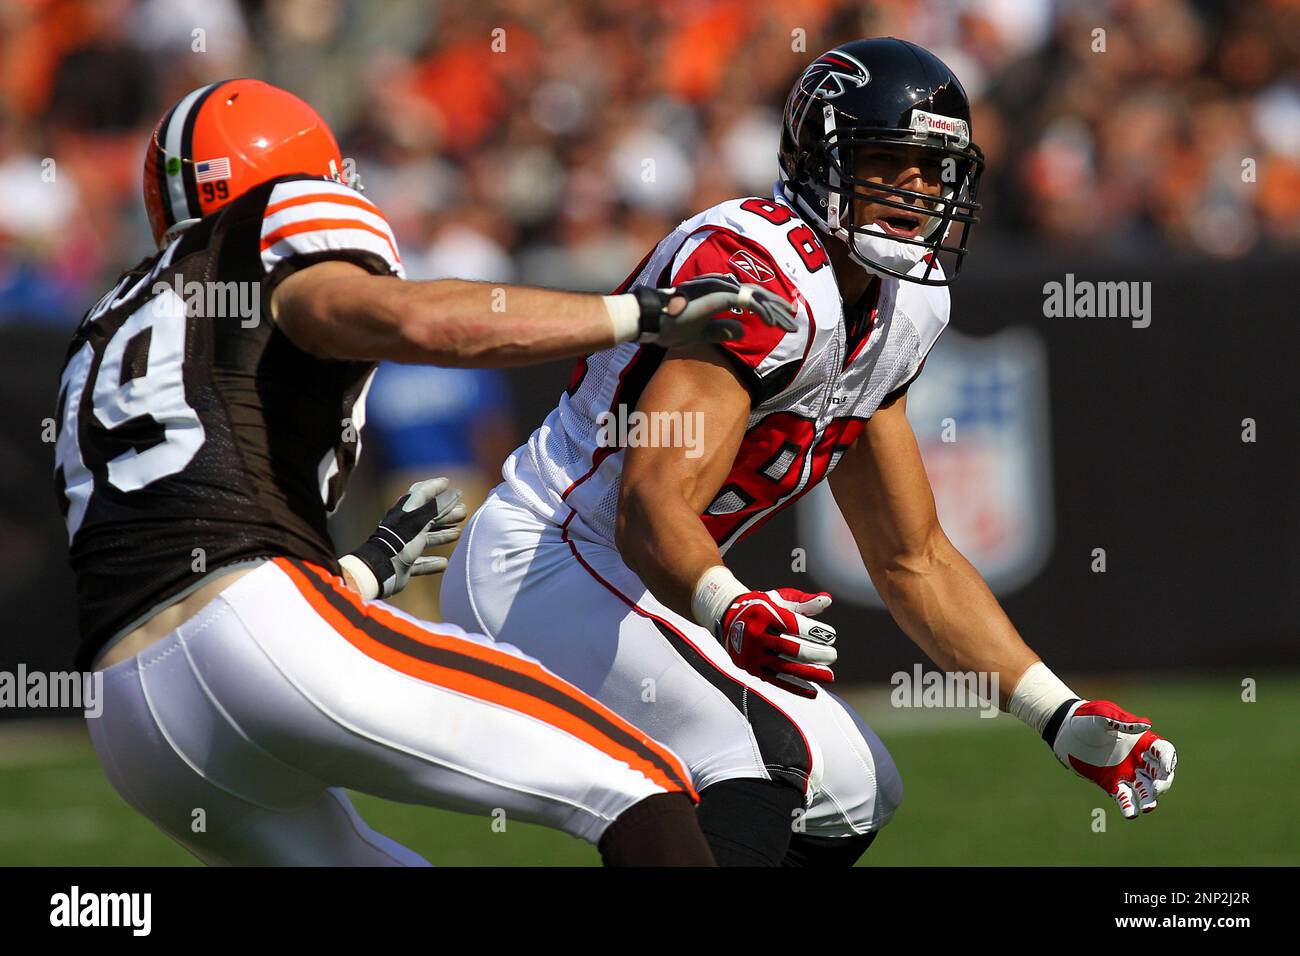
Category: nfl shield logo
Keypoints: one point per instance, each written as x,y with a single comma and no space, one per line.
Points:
980,413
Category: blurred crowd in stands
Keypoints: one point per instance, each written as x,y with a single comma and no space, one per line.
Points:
553,142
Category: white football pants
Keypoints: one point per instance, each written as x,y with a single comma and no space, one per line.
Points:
574,605
236,732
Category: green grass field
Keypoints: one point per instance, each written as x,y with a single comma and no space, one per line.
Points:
979,792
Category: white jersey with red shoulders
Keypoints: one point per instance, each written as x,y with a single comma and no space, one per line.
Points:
811,390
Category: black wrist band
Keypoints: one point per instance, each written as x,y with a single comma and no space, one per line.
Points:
1054,725
652,303
377,557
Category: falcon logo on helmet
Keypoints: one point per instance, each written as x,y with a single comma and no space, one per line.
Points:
221,140
831,74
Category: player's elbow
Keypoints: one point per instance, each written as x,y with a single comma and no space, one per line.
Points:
632,524
302,313
896,565
335,310
625,531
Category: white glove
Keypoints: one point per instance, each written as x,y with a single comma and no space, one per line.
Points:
648,315
425,517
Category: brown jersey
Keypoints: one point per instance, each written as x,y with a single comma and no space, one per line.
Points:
192,433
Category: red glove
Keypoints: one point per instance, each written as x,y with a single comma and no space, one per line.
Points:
772,635
1116,750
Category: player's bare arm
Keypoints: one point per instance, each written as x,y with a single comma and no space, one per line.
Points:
937,597
943,604
338,310
664,491
660,535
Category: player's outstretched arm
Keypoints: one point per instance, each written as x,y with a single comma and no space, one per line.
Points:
659,533
338,310
943,604
934,593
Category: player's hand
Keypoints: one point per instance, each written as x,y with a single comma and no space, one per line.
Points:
685,313
772,635
425,517
1102,742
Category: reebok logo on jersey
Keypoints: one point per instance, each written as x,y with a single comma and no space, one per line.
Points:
752,267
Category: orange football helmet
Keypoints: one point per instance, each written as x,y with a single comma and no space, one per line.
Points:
223,139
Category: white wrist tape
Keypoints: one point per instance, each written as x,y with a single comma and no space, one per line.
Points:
1037,696
362,576
714,592
624,317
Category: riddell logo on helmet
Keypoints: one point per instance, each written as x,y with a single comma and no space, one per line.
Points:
929,123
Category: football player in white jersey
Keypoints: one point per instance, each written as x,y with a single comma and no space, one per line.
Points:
602,551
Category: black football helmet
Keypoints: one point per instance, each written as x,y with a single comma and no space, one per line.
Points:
882,94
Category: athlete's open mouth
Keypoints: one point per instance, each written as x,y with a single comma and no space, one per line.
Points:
904,224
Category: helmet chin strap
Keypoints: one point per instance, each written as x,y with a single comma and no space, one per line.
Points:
874,251
336,174
170,235
871,250
868,247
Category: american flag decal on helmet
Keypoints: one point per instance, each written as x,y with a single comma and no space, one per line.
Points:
210,169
